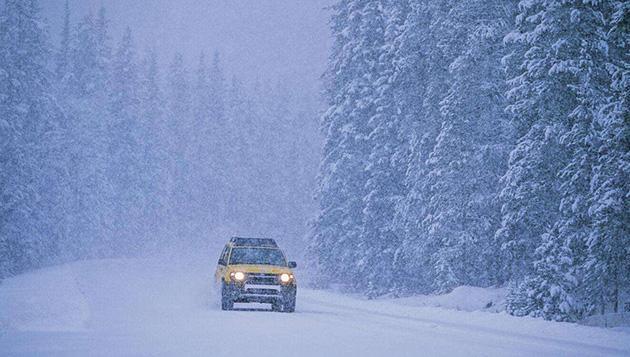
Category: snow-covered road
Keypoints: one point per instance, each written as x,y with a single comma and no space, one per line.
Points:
161,308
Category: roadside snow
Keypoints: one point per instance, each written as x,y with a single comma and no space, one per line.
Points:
463,298
620,321
43,300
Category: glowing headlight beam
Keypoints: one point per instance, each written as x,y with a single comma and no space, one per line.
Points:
240,276
285,278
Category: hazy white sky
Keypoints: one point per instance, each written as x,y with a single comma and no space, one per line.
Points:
258,39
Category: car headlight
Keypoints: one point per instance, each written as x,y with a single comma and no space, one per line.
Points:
239,276
285,278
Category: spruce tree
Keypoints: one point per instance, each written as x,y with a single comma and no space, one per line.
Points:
607,265
179,126
384,186
87,115
153,152
467,159
335,244
418,132
538,105
28,132
123,129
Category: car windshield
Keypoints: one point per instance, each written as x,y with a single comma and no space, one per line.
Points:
257,256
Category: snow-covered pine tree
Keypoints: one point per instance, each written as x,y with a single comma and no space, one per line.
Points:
208,147
430,36
179,125
584,58
550,290
124,150
468,157
28,141
153,152
335,248
435,250
384,186
63,94
91,55
577,61
607,266
539,105
219,150
87,115
237,116
418,132
202,140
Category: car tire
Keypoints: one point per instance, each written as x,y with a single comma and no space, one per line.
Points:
289,304
226,299
276,306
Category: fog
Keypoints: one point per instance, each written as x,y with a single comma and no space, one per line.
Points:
274,49
259,40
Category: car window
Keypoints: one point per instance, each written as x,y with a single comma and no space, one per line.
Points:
223,258
257,256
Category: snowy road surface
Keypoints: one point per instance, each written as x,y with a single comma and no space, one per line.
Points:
160,308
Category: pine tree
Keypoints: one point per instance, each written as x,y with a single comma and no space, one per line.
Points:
607,266
153,152
238,115
384,185
208,141
28,132
338,225
218,139
87,115
552,289
467,159
91,56
585,56
179,119
539,106
418,131
124,152
429,45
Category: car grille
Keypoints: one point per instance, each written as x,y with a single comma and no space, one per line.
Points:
262,279
261,292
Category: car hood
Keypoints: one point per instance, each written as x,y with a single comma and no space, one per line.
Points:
260,268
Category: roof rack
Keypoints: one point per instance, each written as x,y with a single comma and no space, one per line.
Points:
254,242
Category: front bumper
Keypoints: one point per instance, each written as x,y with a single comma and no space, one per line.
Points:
261,293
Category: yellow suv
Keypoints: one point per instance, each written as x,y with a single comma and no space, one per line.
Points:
256,270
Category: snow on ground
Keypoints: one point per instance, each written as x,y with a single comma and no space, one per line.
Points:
619,321
160,307
465,298
44,300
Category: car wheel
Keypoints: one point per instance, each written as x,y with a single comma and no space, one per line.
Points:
289,304
226,299
276,306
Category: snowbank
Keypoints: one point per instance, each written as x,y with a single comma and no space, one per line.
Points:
43,300
463,298
620,320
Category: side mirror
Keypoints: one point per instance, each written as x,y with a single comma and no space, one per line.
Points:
292,265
